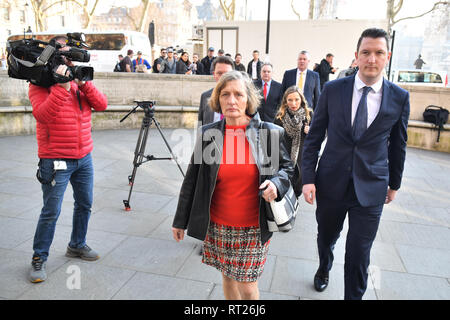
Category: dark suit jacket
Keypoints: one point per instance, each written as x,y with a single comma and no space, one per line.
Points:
324,72
207,65
258,69
200,68
375,162
205,114
268,108
311,89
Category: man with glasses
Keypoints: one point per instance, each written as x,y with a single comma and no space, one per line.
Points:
158,61
169,65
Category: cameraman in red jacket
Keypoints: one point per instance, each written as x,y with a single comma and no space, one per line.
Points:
63,130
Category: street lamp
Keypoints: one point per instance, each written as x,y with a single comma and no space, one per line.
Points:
267,59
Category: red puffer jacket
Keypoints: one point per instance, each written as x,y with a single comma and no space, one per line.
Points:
63,129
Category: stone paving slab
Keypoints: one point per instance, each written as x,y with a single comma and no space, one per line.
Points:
425,261
145,286
407,286
293,277
139,259
150,255
97,282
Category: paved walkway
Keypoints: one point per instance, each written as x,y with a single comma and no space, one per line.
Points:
410,256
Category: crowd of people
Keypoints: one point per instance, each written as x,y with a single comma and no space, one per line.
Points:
179,62
222,200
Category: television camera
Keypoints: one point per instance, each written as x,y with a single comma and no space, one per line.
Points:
36,61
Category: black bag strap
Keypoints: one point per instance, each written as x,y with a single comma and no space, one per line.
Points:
433,107
440,117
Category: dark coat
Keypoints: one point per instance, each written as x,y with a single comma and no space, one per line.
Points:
311,89
207,65
268,108
374,162
182,67
258,69
198,186
239,67
200,68
297,177
324,72
205,113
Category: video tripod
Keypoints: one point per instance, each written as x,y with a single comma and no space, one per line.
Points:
149,117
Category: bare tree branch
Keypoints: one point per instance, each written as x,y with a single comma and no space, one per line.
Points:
397,8
38,15
60,2
435,6
394,8
144,15
322,8
130,18
89,14
311,9
294,10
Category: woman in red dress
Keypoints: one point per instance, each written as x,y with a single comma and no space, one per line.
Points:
221,199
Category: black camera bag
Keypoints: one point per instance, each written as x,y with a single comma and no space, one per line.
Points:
437,116
29,63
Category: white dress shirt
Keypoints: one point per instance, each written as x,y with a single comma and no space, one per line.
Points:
254,70
373,98
298,78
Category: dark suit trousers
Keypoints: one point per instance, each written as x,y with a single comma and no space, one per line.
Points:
363,225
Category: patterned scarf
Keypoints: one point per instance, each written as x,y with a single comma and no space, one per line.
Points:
293,124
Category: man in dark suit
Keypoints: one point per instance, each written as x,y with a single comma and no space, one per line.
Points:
254,67
271,94
220,65
307,80
360,170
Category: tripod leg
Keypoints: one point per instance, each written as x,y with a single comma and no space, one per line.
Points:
138,156
168,146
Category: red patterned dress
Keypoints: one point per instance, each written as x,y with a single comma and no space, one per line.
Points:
233,242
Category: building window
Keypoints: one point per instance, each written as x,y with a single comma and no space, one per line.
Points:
22,16
6,14
63,23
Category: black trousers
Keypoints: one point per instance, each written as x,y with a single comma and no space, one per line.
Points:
363,225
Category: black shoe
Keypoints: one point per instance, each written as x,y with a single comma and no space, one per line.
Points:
321,281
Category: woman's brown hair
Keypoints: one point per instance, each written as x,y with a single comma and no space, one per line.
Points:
253,95
284,105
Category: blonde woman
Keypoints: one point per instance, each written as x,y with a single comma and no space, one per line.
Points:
294,116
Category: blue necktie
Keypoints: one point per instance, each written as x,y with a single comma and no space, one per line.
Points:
360,121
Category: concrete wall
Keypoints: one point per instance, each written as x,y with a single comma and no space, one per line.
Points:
124,88
424,135
288,38
422,96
